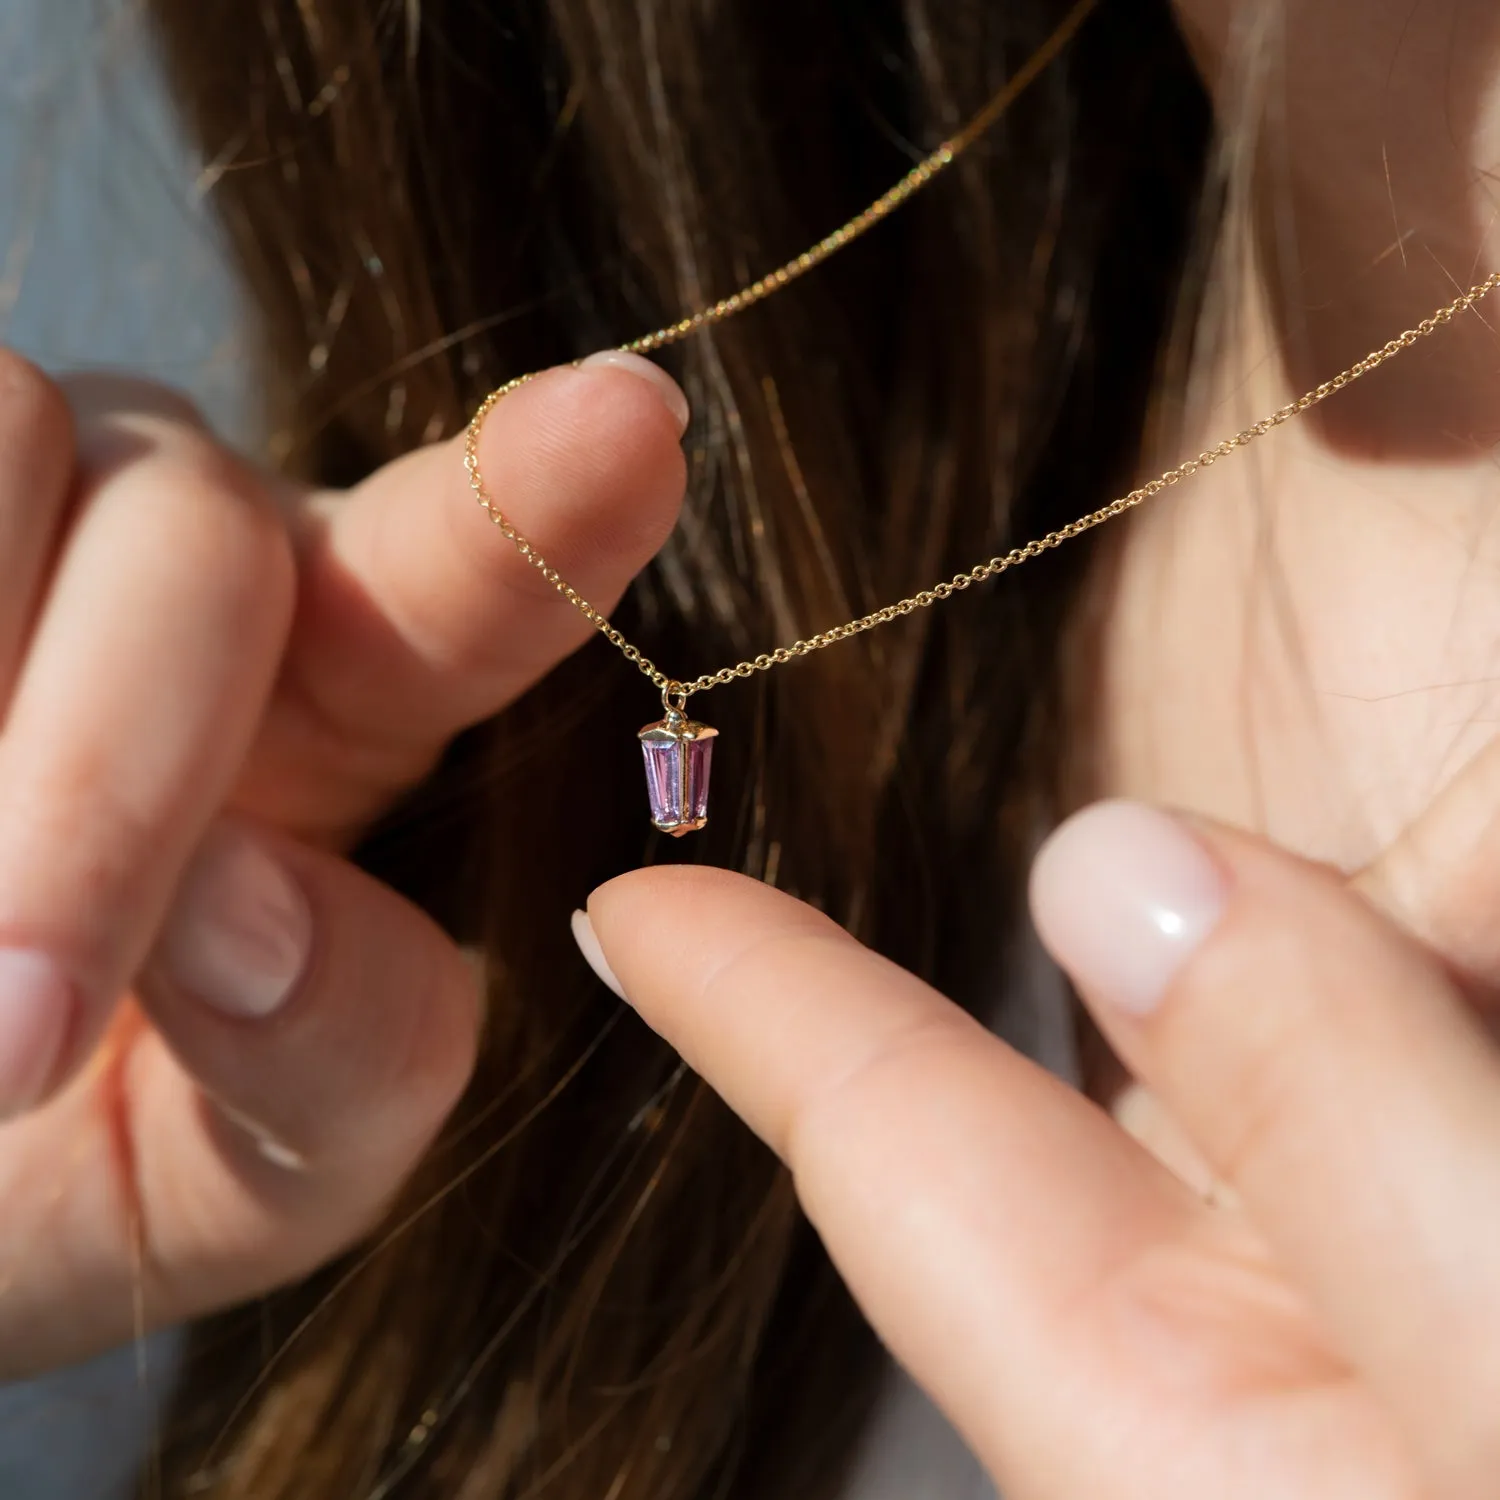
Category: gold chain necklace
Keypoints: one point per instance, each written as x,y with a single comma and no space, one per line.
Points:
678,750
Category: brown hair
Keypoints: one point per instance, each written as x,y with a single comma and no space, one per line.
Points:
598,1286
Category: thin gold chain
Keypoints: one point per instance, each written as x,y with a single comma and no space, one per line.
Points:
676,692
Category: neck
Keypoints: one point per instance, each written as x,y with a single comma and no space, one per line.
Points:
1373,198
1301,640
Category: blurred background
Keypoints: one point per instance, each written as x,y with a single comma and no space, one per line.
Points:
106,253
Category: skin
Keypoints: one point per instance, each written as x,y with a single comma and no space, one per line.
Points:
195,658
1297,651
1302,643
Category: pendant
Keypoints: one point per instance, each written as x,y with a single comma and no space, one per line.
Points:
678,755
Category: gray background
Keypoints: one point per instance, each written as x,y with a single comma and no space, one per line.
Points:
106,253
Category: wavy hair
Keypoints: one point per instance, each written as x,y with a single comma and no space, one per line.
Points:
598,1286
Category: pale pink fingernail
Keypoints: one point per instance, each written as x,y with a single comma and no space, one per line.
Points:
1121,895
588,945
37,1006
635,364
240,932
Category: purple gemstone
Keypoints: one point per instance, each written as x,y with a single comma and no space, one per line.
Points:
678,756
664,780
700,755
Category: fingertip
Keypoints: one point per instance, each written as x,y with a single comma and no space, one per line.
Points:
657,884
674,906
240,932
666,932
302,995
591,457
650,884
593,955
589,418
672,395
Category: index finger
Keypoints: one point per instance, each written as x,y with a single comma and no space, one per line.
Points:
973,1202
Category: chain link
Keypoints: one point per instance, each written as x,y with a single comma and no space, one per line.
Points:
675,692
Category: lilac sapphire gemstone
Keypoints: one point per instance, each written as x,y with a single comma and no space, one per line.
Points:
678,756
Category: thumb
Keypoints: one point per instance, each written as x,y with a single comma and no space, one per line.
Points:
418,617
301,1034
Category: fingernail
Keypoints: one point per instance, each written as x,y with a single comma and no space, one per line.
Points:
240,932
36,1008
635,364
588,945
1121,895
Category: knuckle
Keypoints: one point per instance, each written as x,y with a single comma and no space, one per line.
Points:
1250,1101
1253,1044
34,413
1255,1133
856,1102
799,1119
82,908
149,458
238,534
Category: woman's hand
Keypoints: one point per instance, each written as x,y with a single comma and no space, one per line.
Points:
209,682
1325,1329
